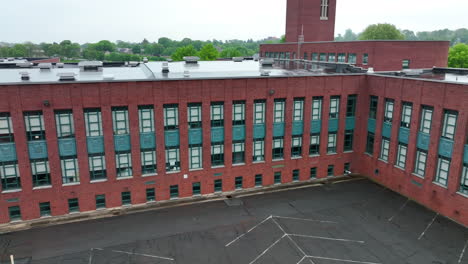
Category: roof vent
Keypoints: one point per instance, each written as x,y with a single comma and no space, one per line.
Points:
45,66
24,64
264,73
191,59
133,63
59,65
88,66
186,74
165,67
108,77
66,76
24,76
370,70
238,59
145,60
412,72
267,62
11,59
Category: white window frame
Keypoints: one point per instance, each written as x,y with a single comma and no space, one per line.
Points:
148,158
120,121
124,160
389,109
146,119
93,122
278,113
259,113
70,170
426,120
317,108
443,171
406,114
450,124
171,115
385,149
259,150
298,112
172,157
64,124
238,112
420,163
332,137
334,107
195,157
402,155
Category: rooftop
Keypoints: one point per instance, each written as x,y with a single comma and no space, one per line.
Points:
448,75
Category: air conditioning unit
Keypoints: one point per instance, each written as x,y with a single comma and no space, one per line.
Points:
24,76
66,76
59,65
264,73
24,64
45,66
191,59
90,66
268,62
238,59
165,67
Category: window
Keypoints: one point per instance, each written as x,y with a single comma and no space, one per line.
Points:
298,112
93,122
14,213
6,128
64,123
420,165
296,146
313,173
171,117
426,119
295,175
123,163
315,56
331,57
365,58
97,167
385,149
314,144
443,168
258,180
464,180
305,56
341,57
334,107
277,177
258,150
73,205
352,58
194,115
406,113
277,148
351,106
218,185
323,57
40,172
126,198
238,113
370,143
10,176
148,162
100,201
238,156
317,108
174,191
35,129
172,159
70,171
195,157
120,120
44,209
196,188
146,118
331,171
217,114
238,183
259,112
450,122
401,156
279,111
331,147
388,116
150,195
405,64
374,101
348,140
217,154
347,168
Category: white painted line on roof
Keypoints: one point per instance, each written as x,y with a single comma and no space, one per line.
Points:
278,225
343,260
463,252
266,250
90,256
328,238
144,255
299,262
248,231
297,246
399,210
425,230
303,219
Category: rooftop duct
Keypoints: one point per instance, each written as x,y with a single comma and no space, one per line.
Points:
186,74
191,59
145,60
24,76
59,65
45,66
238,59
267,62
66,76
24,64
87,66
264,73
165,67
108,77
133,63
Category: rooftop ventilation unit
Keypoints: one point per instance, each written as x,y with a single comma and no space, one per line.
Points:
87,66
186,74
191,59
59,65
370,70
145,60
267,62
133,63
413,72
108,77
238,59
66,76
264,73
24,76
11,59
165,67
24,64
45,66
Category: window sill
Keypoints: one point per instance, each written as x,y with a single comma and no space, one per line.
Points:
42,187
401,168
150,202
368,154
348,151
331,154
199,169
463,194
216,167
174,198
278,183
238,164
101,209
382,160
258,186
440,185
196,195
98,181
299,157
323,18
45,216
258,162
218,192
71,184
16,221
172,172
12,191
149,175
314,155
125,178
277,160
417,175
74,213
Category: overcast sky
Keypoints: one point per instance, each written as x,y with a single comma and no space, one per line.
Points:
132,20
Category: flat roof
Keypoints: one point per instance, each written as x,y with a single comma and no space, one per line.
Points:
446,75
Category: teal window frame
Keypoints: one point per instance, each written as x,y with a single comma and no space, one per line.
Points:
73,205
315,56
385,149
298,111
331,171
370,143
150,194
171,117
317,108
6,128
217,154
314,148
348,140
258,180
323,56
194,115
277,177
238,113
443,171
332,143
218,185
14,213
334,107
97,167
70,170
313,172
258,150
420,162
278,148
295,175
123,164
217,114
196,188
259,112
365,59
352,58
464,180
174,191
324,10
239,183
195,157
346,168
238,152
10,175
93,122
296,146
35,127
342,57
64,124
406,114
389,109
305,56
146,118
351,105
279,110
40,172
126,198
427,113
374,103
405,64
148,162
172,159
450,124
100,201
402,154
44,209
120,120
331,57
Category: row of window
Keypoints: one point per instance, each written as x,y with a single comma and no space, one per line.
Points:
126,197
350,58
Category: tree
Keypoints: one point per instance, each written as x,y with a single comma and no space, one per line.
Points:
19,50
208,53
104,45
283,39
458,56
181,52
381,32
409,35
230,53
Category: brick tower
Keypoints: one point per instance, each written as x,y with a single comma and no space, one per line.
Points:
314,19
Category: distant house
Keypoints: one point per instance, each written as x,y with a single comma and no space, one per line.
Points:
125,50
